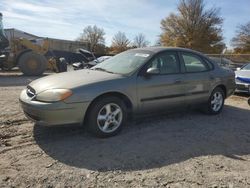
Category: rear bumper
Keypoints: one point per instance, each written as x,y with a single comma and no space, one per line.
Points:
49,114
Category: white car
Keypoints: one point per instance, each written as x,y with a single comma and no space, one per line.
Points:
242,79
99,60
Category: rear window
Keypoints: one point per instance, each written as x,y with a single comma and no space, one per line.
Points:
209,64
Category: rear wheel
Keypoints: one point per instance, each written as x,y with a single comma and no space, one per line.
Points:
216,102
32,64
107,116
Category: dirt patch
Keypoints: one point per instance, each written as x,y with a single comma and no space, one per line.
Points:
185,149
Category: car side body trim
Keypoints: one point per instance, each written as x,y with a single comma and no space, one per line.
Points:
173,96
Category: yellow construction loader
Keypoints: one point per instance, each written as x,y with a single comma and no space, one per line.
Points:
30,56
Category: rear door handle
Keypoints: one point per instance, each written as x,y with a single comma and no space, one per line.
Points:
178,81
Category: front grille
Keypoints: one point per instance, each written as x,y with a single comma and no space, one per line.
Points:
242,87
30,92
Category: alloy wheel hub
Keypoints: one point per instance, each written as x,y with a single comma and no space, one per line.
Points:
109,118
217,101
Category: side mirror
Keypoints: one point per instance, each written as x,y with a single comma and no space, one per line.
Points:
152,71
238,68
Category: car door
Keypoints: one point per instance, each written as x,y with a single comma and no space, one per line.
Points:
198,78
164,89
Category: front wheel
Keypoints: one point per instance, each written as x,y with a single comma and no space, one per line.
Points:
216,102
106,117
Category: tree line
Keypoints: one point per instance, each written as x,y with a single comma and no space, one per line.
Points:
94,36
192,26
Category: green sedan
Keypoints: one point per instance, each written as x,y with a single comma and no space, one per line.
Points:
137,81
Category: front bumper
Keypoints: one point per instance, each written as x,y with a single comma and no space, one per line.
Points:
243,87
57,113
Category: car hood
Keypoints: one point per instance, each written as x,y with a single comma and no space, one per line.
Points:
70,80
243,73
243,76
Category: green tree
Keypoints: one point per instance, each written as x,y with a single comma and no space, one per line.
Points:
193,26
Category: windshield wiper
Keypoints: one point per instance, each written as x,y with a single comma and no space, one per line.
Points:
102,69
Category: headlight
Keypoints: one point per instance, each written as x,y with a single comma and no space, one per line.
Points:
54,95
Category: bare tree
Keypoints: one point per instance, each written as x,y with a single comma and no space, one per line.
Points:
158,42
193,27
120,42
242,39
94,36
140,41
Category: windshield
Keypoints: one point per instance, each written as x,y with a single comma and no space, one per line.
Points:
124,63
247,67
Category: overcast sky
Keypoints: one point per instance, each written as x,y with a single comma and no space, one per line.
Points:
66,19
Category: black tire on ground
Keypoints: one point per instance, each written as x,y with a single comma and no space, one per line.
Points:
210,107
32,64
92,119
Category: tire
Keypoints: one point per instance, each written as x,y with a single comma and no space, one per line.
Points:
103,125
32,64
215,103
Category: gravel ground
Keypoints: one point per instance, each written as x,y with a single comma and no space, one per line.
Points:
184,149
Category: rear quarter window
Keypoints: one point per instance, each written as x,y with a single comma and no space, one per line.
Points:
209,64
194,63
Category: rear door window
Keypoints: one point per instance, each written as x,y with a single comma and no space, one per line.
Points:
194,63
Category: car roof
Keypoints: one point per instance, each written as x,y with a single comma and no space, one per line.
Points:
155,50
160,49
